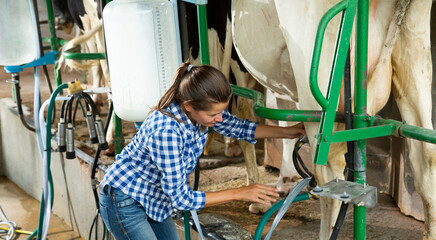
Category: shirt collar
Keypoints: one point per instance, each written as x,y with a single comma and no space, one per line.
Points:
176,110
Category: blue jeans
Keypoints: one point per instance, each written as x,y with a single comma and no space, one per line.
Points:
126,219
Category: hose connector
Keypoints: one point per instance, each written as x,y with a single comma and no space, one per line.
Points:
71,154
62,146
91,127
100,133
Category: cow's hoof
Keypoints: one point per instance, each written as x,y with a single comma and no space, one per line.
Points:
285,184
258,208
110,151
232,151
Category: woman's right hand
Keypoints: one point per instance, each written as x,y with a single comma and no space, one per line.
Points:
258,193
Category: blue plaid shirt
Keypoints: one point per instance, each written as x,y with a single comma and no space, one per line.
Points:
154,167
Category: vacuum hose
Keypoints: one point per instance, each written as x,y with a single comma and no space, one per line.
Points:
349,157
16,81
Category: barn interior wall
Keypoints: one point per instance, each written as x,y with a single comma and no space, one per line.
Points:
21,163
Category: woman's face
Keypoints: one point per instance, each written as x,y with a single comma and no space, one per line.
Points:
206,118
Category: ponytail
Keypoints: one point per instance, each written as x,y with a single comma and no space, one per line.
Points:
200,86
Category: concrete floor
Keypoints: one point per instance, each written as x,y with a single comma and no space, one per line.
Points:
23,209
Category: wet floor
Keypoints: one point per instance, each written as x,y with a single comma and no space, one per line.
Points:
21,208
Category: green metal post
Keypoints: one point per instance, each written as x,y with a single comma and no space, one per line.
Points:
360,112
118,139
54,42
205,59
202,31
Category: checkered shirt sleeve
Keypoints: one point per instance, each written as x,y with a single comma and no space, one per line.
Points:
234,127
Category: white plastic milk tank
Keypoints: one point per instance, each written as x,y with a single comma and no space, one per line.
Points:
141,52
17,36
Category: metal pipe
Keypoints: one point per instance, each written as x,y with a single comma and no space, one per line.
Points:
401,129
118,139
313,77
84,56
360,103
54,41
279,114
202,32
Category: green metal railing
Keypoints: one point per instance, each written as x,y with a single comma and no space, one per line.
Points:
365,126
330,103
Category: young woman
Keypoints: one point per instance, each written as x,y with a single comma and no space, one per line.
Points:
150,177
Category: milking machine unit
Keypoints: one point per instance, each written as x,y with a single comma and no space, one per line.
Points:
20,48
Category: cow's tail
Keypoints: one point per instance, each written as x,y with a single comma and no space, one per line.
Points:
72,45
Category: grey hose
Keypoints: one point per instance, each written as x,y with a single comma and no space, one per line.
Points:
197,223
289,199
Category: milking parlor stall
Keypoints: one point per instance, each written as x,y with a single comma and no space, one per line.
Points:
360,173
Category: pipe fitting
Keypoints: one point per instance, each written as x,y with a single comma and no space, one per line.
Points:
91,127
62,147
100,133
71,154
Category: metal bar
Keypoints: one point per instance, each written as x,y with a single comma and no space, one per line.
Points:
54,43
118,138
202,33
313,77
360,103
401,129
197,2
84,56
362,133
186,225
279,114
344,35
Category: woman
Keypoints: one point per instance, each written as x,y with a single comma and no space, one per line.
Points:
150,177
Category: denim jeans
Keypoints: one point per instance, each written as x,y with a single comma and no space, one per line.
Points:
126,219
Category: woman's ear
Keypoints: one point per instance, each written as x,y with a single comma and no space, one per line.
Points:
188,107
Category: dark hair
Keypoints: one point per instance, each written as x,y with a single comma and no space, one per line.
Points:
200,86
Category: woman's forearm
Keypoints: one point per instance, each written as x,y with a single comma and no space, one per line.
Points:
215,198
267,131
259,193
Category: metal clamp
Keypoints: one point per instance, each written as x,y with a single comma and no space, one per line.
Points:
345,191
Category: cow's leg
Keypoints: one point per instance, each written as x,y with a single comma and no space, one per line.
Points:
247,148
244,79
288,173
323,174
299,37
412,89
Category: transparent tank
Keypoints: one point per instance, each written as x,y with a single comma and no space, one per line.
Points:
141,53
17,37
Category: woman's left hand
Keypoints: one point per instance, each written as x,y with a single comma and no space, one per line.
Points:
267,131
295,131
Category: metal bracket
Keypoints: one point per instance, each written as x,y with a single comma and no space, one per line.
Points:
196,2
345,191
98,90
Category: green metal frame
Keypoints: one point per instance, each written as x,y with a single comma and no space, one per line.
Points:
365,126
